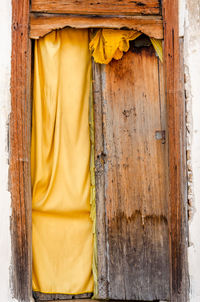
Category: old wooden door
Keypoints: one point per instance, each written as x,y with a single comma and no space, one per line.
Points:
131,178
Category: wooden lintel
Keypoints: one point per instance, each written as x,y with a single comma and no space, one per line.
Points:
114,7
42,24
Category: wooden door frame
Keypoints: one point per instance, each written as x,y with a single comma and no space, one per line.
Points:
175,98
19,148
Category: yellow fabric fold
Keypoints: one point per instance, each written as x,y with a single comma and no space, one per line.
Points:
60,164
157,44
108,44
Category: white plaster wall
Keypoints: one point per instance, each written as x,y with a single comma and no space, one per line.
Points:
5,54
192,73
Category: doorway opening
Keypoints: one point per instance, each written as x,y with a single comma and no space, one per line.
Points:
133,119
20,134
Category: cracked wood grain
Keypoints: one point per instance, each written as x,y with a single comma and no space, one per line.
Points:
135,172
19,142
112,7
42,24
174,85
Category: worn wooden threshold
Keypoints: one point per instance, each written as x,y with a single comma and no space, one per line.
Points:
38,296
73,300
90,300
42,24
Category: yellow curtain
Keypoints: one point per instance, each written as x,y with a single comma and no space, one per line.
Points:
108,44
60,169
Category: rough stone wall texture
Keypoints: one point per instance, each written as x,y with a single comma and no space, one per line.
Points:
5,201
192,89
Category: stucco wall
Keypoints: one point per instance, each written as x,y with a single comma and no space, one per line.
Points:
192,78
190,28
5,53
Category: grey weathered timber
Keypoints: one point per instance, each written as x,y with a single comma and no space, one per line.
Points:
135,187
38,296
100,183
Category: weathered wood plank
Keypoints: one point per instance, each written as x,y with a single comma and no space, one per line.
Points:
19,133
135,167
174,80
42,24
113,7
100,183
76,300
52,297
88,300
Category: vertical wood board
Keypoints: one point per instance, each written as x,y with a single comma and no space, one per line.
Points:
19,140
100,183
174,83
136,173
